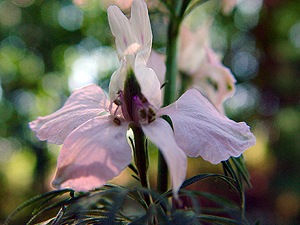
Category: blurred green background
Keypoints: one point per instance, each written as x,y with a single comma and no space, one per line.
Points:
49,48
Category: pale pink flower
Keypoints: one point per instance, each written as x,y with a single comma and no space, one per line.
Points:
199,61
122,4
95,147
192,47
214,80
228,6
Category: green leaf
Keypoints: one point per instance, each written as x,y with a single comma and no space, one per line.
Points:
219,220
154,212
199,177
119,200
48,195
184,217
241,169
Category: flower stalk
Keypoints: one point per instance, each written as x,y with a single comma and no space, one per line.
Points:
170,90
141,157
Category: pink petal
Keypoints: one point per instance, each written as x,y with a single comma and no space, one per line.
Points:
161,134
215,80
140,25
192,47
148,81
82,105
120,28
200,130
157,63
228,6
117,80
94,153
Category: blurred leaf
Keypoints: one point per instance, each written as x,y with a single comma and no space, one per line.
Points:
49,195
218,220
225,203
204,176
241,169
184,217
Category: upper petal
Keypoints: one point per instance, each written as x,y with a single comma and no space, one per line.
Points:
92,154
82,105
157,63
148,81
161,134
117,80
120,28
140,24
200,130
136,31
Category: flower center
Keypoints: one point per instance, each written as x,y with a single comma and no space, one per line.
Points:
132,104
143,112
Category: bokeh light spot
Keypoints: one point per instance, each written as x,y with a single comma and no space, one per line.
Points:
70,17
24,101
269,104
23,3
19,170
249,7
92,65
31,67
244,100
244,65
49,13
10,14
295,34
288,120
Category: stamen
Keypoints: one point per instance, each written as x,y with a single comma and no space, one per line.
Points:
142,113
118,102
117,121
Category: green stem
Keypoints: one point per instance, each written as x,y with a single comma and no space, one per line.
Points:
141,157
170,93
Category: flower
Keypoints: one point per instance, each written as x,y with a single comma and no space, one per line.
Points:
95,147
228,6
215,80
192,47
200,62
133,44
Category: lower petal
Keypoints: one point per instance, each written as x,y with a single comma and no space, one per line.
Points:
200,130
161,134
82,105
94,153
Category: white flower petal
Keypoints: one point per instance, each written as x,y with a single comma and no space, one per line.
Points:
200,130
94,153
120,28
161,134
157,63
117,80
140,25
148,81
82,105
